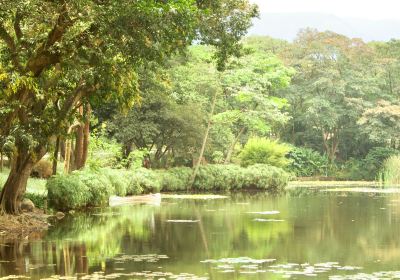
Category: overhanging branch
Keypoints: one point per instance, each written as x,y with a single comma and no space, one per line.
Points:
9,41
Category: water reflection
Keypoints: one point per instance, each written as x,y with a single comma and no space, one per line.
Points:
300,236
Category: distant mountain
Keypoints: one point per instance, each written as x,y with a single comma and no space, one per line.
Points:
286,26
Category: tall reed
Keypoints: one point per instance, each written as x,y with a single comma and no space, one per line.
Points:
390,174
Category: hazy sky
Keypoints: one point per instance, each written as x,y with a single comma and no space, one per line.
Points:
369,9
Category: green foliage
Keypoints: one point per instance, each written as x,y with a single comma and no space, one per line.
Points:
39,200
146,180
133,161
233,177
56,56
119,179
382,121
219,177
370,167
67,192
218,157
391,171
265,151
175,179
99,186
305,162
88,187
103,151
262,176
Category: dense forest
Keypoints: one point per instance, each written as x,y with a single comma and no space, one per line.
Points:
333,100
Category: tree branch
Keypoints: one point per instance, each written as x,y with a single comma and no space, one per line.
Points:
17,25
11,46
44,57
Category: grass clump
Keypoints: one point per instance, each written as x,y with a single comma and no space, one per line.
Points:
391,171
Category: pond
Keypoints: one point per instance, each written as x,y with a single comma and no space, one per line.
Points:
298,235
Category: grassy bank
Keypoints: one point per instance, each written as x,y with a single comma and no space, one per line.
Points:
89,188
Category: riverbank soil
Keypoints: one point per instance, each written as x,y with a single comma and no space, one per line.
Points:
24,225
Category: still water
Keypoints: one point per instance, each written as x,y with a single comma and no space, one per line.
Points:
308,236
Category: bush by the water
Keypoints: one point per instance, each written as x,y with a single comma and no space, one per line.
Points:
93,187
175,179
264,151
306,162
391,171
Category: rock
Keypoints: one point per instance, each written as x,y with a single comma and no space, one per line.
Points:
60,215
27,205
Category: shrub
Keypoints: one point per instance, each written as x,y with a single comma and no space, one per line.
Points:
218,157
264,151
391,171
94,187
99,186
175,179
146,180
232,177
67,192
261,176
218,177
119,179
83,188
306,162
42,169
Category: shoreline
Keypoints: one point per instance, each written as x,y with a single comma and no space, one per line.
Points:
23,226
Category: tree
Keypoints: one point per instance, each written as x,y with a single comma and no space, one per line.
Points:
334,78
159,124
58,55
248,85
382,123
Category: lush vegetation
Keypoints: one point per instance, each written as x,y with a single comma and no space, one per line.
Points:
61,59
84,89
390,174
261,150
93,187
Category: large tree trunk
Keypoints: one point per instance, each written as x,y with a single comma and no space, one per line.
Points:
15,186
